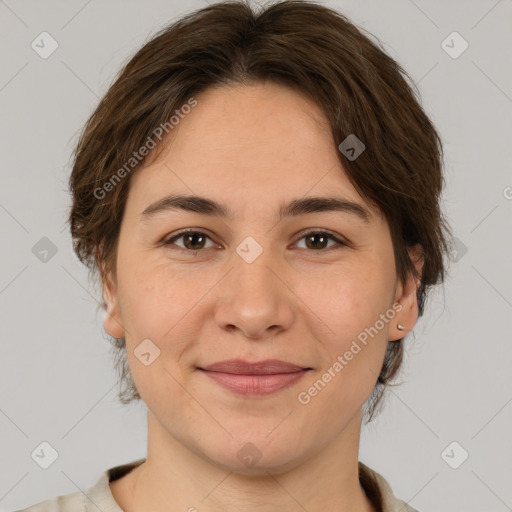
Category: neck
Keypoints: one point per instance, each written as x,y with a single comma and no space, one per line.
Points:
174,478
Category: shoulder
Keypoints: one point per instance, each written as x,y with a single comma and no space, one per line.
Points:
73,502
97,497
379,491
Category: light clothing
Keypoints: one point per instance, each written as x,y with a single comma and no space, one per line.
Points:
99,496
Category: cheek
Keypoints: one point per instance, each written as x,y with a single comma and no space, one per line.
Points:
348,301
156,306
155,298
169,307
159,387
354,348
354,306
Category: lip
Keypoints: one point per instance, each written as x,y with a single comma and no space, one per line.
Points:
241,367
254,379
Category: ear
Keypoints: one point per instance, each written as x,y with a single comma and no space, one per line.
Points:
406,296
112,322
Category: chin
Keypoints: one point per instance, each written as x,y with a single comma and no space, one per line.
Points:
256,453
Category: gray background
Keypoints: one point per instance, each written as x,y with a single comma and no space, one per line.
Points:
56,379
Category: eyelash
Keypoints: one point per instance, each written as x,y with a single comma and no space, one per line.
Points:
341,243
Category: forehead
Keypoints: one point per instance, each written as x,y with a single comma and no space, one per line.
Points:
260,120
258,143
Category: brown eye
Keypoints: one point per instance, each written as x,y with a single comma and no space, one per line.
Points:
318,240
192,240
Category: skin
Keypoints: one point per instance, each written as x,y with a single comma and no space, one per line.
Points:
252,148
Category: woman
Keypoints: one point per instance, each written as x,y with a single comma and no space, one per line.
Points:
258,193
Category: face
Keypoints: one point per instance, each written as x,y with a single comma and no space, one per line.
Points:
251,285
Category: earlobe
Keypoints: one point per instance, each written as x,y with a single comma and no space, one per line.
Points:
407,297
112,322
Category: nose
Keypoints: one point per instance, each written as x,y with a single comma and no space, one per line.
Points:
254,299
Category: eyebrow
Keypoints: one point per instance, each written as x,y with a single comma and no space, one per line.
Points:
302,206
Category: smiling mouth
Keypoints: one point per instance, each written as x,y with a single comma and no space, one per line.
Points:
255,384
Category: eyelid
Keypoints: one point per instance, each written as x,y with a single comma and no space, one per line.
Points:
315,231
169,239
340,240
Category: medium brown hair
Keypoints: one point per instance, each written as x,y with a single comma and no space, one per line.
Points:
299,44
